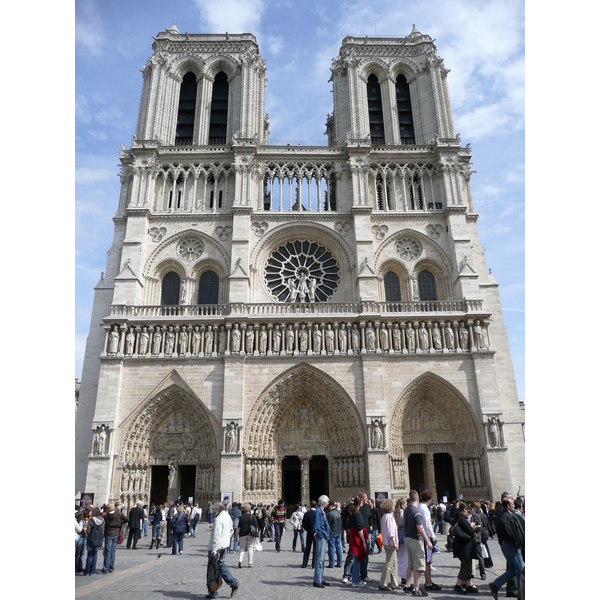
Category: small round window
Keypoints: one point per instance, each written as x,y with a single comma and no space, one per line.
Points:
302,271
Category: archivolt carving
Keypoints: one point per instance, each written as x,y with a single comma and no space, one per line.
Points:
306,406
171,426
433,412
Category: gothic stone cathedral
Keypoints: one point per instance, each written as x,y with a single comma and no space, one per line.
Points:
286,321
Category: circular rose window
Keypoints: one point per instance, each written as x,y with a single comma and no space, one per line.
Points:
302,271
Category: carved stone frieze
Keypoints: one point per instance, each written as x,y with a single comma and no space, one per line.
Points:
157,233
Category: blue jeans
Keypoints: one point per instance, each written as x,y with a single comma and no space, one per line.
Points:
193,526
90,563
439,525
515,566
350,560
177,541
335,543
319,559
145,528
373,539
209,518
296,533
279,527
79,550
110,550
356,570
156,529
225,573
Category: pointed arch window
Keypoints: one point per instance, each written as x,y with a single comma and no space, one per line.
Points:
170,289
217,131
187,111
375,111
405,116
416,194
391,282
383,193
208,288
427,292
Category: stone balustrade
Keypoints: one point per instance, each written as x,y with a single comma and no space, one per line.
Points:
400,336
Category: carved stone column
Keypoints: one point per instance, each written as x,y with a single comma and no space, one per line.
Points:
305,481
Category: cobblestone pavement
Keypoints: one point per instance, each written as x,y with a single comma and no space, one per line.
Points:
141,574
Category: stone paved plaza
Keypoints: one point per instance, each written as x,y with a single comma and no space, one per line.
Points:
140,574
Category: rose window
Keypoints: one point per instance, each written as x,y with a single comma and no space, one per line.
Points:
302,271
190,248
408,249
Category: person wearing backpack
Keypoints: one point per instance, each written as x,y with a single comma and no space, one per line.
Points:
95,537
114,521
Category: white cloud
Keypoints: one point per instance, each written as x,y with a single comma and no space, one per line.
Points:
86,176
275,44
89,30
233,16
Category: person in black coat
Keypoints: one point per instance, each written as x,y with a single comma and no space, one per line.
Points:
136,518
464,547
307,525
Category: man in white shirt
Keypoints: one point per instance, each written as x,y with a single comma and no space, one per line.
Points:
426,499
218,543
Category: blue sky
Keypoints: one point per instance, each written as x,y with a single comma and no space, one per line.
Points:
481,42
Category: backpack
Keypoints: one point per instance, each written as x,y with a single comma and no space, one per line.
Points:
96,535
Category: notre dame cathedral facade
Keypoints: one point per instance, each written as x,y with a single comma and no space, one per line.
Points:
285,320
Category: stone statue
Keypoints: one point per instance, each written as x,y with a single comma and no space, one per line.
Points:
423,338
303,338
144,341
248,475
449,337
478,481
113,340
343,338
415,289
355,339
249,339
172,474
262,340
312,288
370,338
478,335
236,337
183,341
329,342
196,341
289,339
276,339
143,480
361,471
231,438
316,340
183,294
437,337
472,473
410,338
494,432
129,341
124,480
222,341
396,338
156,340
169,341
384,338
302,288
463,335
291,286
377,436
208,341
396,476
102,441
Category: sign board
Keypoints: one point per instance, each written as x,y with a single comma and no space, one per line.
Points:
86,499
379,496
445,499
227,498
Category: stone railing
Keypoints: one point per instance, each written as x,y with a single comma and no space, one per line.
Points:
399,336
301,308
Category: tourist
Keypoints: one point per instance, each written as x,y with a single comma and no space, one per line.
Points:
321,533
365,511
480,526
357,544
157,519
218,543
426,499
114,521
209,515
95,536
235,513
440,511
511,537
279,523
464,547
178,524
401,553
334,519
389,537
414,535
307,525
136,518
245,534
188,512
296,521
195,516
260,517
376,520
145,522
80,539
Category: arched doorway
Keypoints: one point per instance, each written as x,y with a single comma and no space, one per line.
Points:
168,451
436,441
304,438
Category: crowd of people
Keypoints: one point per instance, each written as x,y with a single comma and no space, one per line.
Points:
406,531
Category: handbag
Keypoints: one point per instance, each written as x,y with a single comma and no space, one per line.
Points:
379,540
214,580
254,531
257,545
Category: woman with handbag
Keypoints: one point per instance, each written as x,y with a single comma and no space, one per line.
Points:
402,552
480,525
248,532
464,547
